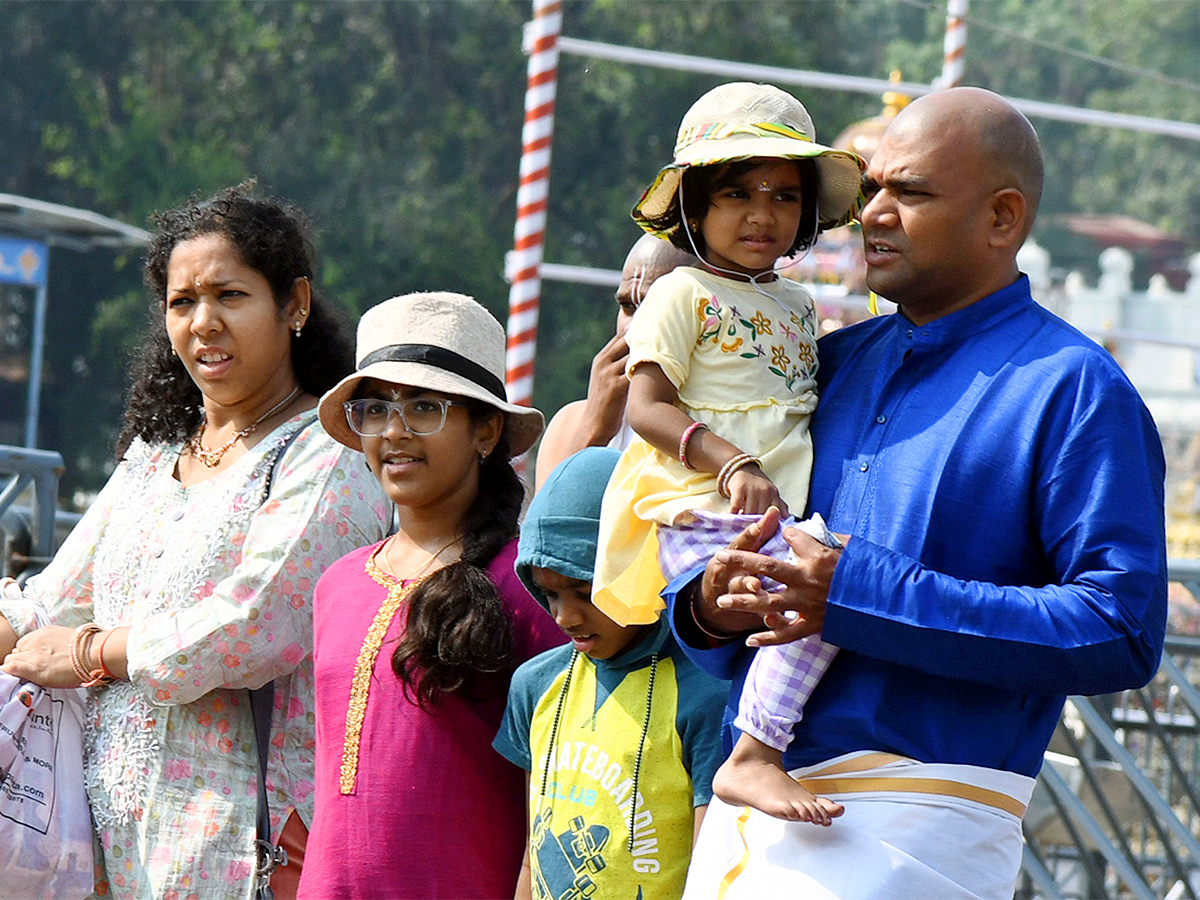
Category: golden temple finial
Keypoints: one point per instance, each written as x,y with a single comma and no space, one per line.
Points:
894,101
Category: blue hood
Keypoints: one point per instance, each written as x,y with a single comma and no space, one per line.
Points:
562,526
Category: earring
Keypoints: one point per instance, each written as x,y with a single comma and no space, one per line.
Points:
173,353
296,329
694,224
482,457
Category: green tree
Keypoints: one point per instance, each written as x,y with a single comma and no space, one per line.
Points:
396,125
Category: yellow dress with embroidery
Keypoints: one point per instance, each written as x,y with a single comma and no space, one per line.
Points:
744,363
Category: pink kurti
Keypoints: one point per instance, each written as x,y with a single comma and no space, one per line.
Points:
436,813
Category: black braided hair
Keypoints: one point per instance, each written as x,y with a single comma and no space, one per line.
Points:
458,628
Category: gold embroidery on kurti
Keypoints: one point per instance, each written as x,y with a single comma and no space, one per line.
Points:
364,666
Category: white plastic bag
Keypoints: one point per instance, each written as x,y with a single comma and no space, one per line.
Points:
46,845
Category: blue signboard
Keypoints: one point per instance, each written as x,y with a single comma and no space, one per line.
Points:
23,262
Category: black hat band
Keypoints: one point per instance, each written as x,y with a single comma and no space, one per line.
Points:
438,358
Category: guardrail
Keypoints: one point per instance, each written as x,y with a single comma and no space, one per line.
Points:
30,533
1116,811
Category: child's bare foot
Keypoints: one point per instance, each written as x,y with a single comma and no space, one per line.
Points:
754,776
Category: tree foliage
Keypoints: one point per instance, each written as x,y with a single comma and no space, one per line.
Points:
396,125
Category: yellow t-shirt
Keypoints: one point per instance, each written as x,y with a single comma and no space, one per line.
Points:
579,833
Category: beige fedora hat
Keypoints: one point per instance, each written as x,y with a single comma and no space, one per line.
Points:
743,120
439,341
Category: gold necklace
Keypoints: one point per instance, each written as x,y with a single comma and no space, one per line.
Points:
212,458
380,556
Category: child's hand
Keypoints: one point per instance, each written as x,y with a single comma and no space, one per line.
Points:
753,493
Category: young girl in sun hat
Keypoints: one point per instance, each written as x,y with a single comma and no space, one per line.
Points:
415,638
722,365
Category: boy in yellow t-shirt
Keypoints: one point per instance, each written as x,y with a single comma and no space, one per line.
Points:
618,730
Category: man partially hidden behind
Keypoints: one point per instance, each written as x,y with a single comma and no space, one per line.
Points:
599,420
998,484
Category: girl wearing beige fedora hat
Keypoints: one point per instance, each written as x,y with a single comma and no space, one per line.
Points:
406,775
722,365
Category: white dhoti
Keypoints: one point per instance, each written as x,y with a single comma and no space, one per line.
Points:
911,831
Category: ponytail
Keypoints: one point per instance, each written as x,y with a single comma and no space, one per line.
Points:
458,627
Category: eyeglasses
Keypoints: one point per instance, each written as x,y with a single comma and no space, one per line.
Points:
421,415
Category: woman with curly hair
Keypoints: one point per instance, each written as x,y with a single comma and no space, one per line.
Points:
189,580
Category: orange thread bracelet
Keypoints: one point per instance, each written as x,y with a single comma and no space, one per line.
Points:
94,677
105,674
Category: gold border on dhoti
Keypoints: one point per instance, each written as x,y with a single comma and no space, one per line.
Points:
844,777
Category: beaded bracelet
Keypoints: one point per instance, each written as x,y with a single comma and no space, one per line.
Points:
683,442
731,466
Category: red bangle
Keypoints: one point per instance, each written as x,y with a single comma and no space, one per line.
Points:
683,442
105,674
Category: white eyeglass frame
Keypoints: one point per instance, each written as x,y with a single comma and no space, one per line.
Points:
397,407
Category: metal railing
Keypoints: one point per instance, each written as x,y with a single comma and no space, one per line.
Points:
30,532
1116,811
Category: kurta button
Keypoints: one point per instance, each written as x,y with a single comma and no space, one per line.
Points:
910,332
864,467
881,418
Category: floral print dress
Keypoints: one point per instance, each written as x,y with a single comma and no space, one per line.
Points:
744,362
215,581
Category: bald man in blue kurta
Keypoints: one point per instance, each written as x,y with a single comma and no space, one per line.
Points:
1000,487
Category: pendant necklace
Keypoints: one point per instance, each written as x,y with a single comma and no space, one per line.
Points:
380,556
212,458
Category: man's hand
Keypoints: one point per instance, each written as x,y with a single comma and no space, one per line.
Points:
592,422
607,389
796,610
718,575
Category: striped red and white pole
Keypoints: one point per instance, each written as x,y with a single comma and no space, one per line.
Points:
954,48
525,262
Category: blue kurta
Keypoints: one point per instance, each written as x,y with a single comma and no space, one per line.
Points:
1003,485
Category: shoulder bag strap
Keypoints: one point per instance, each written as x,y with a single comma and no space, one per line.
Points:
262,703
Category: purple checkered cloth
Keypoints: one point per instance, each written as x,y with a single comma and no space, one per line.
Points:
781,678
779,683
681,548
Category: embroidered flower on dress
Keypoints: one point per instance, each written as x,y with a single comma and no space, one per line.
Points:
709,311
120,750
807,323
761,323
